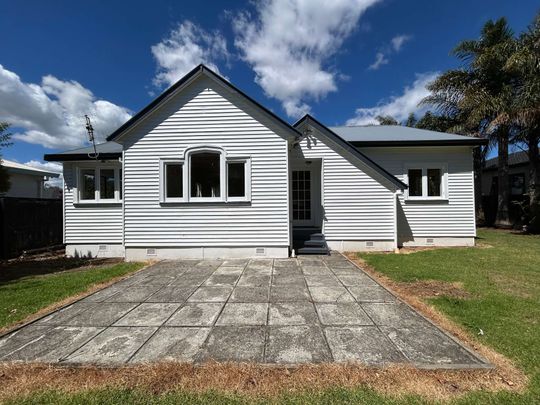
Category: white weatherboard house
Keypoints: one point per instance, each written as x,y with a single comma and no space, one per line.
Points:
204,171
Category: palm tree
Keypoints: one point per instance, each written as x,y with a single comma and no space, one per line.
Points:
524,114
478,93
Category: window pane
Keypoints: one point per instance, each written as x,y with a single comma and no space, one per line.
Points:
236,181
174,180
205,181
106,184
120,184
434,182
415,182
88,186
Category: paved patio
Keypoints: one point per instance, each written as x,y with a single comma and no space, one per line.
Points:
290,311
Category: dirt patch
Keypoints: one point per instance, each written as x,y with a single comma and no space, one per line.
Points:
255,380
431,288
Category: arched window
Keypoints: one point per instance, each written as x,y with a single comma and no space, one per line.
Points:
206,174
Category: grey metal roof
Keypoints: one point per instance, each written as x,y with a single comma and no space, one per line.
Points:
396,134
106,150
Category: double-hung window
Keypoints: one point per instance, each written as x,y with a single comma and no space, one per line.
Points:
205,175
99,185
426,182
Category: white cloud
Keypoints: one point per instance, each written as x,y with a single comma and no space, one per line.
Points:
380,59
51,114
187,46
399,41
398,107
289,44
383,56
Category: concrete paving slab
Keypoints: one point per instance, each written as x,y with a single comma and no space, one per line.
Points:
239,314
133,294
102,295
393,314
104,314
250,294
236,262
196,314
322,281
282,293
63,315
211,294
234,343
54,345
220,280
296,344
288,280
342,314
148,314
330,294
176,293
316,271
292,313
371,294
254,280
364,344
225,270
20,338
115,345
356,280
172,344
428,346
157,279
191,279
285,263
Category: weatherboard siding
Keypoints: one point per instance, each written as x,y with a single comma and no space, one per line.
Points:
207,114
89,224
453,218
357,207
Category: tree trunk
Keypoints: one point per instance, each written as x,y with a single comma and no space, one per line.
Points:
479,206
503,202
534,184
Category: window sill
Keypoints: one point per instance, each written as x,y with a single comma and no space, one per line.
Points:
98,204
205,203
427,200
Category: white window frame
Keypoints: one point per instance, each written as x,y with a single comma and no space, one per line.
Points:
163,162
247,178
443,167
97,185
223,177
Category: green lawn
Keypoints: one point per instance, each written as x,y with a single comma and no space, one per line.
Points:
25,289
503,279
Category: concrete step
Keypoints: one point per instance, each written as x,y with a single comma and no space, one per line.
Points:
317,236
313,251
315,243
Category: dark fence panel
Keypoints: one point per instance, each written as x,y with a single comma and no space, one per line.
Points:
515,210
29,223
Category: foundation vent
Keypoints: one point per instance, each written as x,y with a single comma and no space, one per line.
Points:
102,248
369,243
429,241
260,251
151,252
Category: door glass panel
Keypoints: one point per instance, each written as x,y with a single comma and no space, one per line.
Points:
301,191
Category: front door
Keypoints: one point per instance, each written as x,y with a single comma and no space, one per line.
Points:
305,190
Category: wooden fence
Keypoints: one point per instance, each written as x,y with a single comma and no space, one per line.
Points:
29,223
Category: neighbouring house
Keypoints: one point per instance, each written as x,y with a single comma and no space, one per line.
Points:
29,182
518,173
206,171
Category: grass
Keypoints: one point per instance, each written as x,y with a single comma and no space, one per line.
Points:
23,293
502,281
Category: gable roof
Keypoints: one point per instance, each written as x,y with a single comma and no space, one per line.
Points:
188,78
351,149
106,151
16,167
398,135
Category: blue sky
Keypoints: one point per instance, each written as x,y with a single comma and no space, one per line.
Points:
344,61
